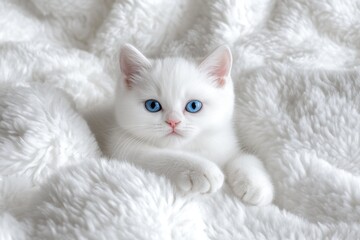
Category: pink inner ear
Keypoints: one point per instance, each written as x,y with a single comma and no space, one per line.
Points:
125,68
128,66
127,82
127,71
222,70
131,62
221,82
218,64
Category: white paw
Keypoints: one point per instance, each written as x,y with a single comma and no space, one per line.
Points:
255,189
200,179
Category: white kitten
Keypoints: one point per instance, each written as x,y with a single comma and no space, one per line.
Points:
174,117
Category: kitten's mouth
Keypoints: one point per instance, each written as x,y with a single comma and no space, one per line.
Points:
174,133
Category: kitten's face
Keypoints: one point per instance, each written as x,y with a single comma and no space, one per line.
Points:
170,101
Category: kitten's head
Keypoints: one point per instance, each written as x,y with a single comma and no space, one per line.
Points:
170,101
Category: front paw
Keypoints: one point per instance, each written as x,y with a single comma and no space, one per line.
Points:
200,179
252,188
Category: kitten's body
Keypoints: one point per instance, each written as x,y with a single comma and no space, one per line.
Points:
191,148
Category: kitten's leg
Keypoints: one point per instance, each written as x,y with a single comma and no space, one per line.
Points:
249,180
190,173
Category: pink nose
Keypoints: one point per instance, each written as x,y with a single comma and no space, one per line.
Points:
172,122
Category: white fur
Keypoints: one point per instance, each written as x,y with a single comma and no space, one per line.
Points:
40,132
11,228
295,67
79,74
17,196
98,190
204,142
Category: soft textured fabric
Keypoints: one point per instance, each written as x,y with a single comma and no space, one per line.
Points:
297,108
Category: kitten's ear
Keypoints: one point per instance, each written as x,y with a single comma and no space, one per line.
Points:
131,62
218,64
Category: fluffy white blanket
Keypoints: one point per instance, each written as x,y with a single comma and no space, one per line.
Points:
298,109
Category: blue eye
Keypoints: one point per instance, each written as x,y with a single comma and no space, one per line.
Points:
152,105
193,106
